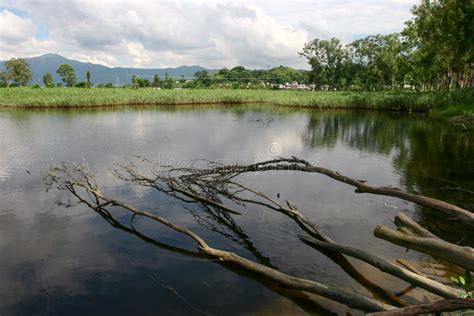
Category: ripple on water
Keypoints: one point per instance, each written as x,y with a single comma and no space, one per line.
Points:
6,170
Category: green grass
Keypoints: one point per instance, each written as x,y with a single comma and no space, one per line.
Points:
442,103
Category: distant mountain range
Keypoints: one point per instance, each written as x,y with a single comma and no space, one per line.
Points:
101,74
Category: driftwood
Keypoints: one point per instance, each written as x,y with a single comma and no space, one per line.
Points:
211,187
436,307
413,236
95,199
294,164
385,266
231,190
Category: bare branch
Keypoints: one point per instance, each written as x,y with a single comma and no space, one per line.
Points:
436,307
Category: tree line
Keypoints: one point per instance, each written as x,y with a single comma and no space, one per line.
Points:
18,73
434,52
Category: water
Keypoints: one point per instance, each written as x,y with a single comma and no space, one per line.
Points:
68,260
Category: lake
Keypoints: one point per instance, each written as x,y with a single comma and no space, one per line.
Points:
59,257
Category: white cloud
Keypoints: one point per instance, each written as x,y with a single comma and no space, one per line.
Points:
15,29
17,37
100,58
212,33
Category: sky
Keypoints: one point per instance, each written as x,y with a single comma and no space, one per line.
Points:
154,34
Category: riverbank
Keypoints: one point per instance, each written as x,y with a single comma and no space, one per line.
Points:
443,103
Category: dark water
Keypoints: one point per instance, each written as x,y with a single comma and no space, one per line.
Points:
59,260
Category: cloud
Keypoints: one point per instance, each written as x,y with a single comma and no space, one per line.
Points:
17,37
212,34
15,29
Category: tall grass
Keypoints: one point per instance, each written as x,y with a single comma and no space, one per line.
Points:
79,97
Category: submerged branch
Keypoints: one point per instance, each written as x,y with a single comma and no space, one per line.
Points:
67,180
294,164
385,266
451,305
215,187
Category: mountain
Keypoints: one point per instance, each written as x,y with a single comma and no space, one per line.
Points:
101,74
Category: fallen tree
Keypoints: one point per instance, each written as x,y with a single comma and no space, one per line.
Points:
216,189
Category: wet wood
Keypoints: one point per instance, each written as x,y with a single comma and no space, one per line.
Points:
451,305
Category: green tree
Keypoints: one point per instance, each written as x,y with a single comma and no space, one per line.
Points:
326,60
204,77
88,79
48,80
5,79
135,82
67,74
441,35
18,71
168,82
156,81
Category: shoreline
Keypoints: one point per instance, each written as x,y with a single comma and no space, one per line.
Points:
457,104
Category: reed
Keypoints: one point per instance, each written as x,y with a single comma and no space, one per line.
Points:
451,102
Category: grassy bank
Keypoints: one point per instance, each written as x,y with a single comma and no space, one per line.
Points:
442,103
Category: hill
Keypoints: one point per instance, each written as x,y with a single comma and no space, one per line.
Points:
100,74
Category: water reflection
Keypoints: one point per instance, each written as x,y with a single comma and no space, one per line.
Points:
68,260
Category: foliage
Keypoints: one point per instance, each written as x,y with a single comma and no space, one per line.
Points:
168,82
240,77
5,79
396,100
48,80
203,77
156,81
17,71
465,283
435,51
326,61
89,83
67,74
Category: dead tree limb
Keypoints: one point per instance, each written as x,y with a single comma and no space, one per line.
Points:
450,305
462,256
411,235
78,179
232,190
294,164
385,266
216,185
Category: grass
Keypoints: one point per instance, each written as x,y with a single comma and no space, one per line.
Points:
442,103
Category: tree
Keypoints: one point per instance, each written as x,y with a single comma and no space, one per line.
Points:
168,84
67,74
204,77
18,71
326,60
156,81
5,78
443,48
135,82
88,79
48,80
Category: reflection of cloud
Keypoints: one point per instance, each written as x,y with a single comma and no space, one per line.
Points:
71,252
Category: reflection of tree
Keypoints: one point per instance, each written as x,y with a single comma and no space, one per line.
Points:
297,297
367,132
217,190
434,158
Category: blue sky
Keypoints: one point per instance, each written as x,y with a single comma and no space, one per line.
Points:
256,34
